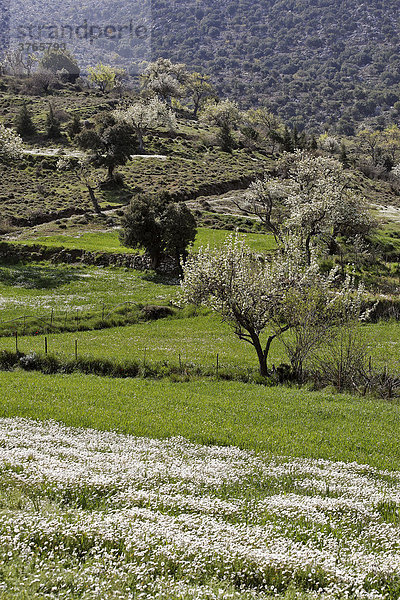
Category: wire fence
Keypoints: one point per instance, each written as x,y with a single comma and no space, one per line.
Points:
142,359
65,319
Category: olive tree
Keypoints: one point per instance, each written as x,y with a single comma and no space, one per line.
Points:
57,61
111,144
160,226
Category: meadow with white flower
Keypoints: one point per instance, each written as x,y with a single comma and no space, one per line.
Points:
90,514
36,288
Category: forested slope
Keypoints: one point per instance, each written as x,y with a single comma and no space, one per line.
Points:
312,61
320,64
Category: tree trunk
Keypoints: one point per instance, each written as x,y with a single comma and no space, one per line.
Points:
93,199
308,250
110,175
267,348
141,142
262,357
269,342
196,108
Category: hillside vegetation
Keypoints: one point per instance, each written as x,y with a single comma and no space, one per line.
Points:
315,63
247,481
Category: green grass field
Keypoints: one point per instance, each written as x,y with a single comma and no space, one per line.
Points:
197,339
108,241
280,420
256,509
93,241
37,288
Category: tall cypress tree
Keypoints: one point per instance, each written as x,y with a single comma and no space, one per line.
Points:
53,130
23,122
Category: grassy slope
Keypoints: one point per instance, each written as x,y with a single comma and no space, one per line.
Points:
108,241
34,289
196,339
34,187
278,420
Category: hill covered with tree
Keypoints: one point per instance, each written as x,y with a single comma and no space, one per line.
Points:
317,63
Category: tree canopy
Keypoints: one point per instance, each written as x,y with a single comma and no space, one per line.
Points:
313,197
60,60
161,226
143,116
262,299
109,145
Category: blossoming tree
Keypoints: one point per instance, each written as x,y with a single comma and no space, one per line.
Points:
313,198
263,298
144,116
11,145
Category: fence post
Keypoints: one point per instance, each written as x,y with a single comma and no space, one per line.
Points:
217,364
16,342
180,362
76,349
45,344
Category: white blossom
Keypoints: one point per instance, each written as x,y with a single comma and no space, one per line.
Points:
143,116
102,515
11,145
254,294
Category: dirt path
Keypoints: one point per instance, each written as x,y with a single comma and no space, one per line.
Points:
78,154
392,213
54,152
224,204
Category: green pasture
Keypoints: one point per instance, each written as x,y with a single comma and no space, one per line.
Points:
93,241
279,420
108,241
196,340
34,289
258,242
